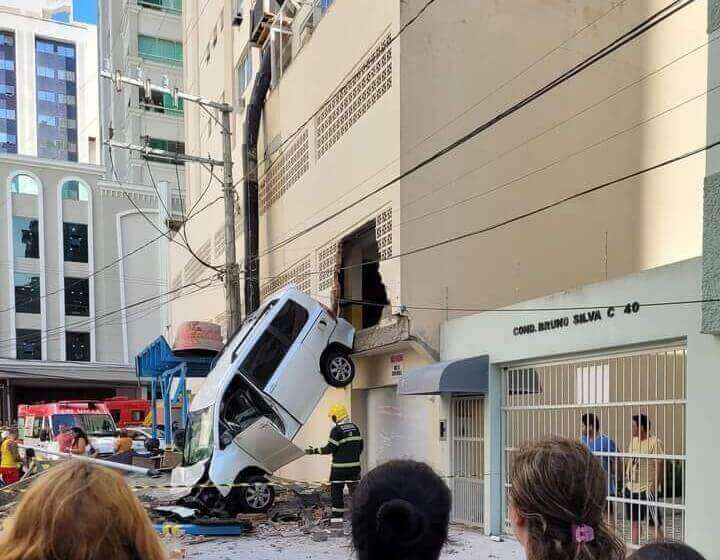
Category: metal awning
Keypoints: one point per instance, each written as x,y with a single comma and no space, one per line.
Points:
463,377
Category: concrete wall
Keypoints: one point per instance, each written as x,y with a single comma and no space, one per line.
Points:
641,105
492,334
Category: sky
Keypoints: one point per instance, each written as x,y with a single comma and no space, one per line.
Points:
85,11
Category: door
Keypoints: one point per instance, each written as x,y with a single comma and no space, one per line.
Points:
468,453
267,445
399,427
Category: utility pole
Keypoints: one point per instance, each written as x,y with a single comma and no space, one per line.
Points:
232,274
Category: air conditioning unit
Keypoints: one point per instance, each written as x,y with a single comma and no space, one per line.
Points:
262,16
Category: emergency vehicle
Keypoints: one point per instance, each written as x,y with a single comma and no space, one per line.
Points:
39,424
128,412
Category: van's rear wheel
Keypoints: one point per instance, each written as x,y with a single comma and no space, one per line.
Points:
257,497
338,369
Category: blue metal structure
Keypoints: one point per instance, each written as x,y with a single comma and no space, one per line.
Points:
158,363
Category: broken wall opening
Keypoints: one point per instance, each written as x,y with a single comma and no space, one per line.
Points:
363,296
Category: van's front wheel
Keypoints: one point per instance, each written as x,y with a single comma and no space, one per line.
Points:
338,369
257,497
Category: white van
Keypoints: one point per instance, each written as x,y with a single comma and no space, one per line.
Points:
262,389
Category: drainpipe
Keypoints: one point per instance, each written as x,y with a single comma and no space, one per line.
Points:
250,182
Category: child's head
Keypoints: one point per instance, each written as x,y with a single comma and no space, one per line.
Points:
666,551
401,510
557,500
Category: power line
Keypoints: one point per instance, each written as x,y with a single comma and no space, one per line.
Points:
149,221
528,214
615,45
401,307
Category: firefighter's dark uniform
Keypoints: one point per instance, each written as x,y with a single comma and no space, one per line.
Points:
345,445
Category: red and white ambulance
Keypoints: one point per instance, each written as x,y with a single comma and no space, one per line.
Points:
39,424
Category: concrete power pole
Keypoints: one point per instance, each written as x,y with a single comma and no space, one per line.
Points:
231,272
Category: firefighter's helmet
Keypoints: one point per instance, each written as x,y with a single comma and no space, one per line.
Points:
337,412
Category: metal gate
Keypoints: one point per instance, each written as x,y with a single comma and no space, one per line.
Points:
468,459
645,475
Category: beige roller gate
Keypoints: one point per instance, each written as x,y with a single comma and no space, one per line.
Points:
546,399
468,451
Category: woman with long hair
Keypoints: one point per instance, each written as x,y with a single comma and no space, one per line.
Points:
81,443
556,503
80,511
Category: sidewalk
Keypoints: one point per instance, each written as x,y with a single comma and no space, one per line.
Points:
268,544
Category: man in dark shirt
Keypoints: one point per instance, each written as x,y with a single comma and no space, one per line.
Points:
345,444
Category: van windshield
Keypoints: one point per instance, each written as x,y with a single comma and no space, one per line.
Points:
241,406
97,425
199,436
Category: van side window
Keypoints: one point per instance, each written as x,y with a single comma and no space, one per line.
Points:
115,413
268,353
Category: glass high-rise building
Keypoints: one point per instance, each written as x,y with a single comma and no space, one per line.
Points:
57,129
8,94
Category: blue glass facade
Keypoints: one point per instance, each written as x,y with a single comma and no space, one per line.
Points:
56,100
8,97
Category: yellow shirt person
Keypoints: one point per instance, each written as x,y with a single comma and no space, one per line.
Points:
641,473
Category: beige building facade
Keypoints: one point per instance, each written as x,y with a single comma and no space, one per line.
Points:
354,212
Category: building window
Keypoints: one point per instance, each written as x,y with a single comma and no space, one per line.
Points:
75,190
152,48
24,184
8,100
171,6
161,103
28,344
77,346
360,279
56,100
27,293
171,146
77,297
75,242
244,73
26,238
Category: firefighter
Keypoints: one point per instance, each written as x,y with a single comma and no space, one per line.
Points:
345,445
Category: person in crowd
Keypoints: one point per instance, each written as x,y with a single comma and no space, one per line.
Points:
80,511
401,510
123,443
10,460
643,477
345,444
556,503
81,443
666,551
64,439
598,442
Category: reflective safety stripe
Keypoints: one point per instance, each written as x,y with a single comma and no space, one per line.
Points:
340,510
349,440
332,441
346,465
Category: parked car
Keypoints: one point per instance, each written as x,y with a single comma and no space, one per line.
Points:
263,388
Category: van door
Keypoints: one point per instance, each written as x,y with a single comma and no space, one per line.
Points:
267,445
